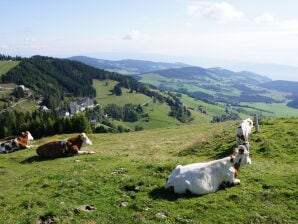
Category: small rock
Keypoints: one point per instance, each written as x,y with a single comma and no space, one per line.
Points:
161,215
86,208
77,160
123,204
146,209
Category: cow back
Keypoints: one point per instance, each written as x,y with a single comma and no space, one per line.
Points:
52,149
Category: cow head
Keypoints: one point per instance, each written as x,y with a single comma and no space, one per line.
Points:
27,135
241,156
86,140
249,121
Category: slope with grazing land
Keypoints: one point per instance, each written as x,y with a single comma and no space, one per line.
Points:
125,179
5,66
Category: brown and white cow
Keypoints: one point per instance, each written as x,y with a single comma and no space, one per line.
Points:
63,148
243,131
15,144
208,177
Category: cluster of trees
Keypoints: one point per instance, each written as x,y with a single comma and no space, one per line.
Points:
100,115
127,113
41,124
178,111
226,117
8,58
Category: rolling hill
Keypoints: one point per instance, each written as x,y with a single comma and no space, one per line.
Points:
244,93
56,83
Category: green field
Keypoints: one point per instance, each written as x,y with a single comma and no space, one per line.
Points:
125,179
158,112
5,66
276,109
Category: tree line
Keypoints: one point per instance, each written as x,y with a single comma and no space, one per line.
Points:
9,58
41,124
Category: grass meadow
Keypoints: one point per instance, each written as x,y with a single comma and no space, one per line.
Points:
124,181
5,66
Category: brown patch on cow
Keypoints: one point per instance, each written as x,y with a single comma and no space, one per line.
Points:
23,141
237,166
74,144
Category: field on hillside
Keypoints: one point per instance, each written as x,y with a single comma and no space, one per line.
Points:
158,112
125,179
5,66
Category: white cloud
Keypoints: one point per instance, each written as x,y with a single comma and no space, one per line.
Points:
265,18
289,24
4,47
283,25
189,25
135,35
223,12
192,9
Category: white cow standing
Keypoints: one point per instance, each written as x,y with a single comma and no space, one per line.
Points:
208,177
243,131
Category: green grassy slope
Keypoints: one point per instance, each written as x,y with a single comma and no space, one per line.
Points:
132,168
158,112
5,66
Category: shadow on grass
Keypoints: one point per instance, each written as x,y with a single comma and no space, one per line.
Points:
34,159
161,193
225,153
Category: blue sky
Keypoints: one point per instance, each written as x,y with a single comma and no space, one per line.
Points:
194,31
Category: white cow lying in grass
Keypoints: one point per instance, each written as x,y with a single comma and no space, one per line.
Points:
208,177
243,131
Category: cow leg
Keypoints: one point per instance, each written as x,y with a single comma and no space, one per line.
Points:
236,182
85,152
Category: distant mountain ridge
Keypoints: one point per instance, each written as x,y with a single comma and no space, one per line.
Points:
130,66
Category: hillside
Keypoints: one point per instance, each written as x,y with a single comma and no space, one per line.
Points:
125,105
125,179
5,66
128,66
283,86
